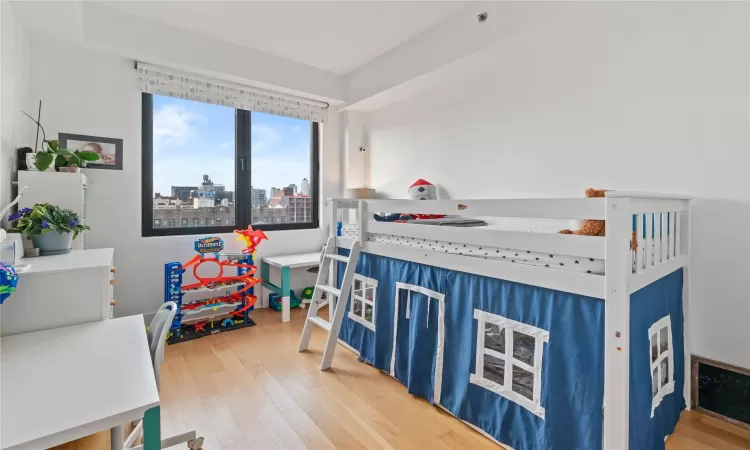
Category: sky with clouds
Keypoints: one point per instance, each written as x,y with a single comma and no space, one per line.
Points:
192,139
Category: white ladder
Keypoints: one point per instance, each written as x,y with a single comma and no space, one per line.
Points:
338,306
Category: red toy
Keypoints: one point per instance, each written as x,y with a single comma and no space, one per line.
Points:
251,237
232,296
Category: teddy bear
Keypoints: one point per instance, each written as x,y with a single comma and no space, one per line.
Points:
597,227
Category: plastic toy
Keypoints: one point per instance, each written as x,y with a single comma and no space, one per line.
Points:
8,281
307,293
231,295
274,301
251,237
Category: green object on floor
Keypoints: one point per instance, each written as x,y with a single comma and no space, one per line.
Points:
274,301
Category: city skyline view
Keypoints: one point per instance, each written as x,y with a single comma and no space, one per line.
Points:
193,138
210,204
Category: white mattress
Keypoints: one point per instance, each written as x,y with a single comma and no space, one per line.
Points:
516,256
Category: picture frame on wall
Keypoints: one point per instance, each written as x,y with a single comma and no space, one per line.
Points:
109,149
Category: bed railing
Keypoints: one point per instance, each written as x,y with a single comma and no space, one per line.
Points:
660,222
661,226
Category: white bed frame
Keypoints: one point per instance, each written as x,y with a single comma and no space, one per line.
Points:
615,287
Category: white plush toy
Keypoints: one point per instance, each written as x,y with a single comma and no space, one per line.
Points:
422,190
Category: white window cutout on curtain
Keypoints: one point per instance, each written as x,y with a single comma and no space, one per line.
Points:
509,359
662,361
362,309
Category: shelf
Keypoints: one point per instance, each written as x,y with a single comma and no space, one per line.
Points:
215,289
193,312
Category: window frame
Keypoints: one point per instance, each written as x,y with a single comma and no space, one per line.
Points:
243,181
540,336
367,283
668,388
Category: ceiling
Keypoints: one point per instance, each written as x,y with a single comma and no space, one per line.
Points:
334,36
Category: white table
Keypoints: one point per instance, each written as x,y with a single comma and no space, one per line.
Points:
65,383
285,263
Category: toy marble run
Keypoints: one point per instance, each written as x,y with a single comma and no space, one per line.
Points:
232,295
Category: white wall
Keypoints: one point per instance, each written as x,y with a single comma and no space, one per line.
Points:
96,94
628,96
14,97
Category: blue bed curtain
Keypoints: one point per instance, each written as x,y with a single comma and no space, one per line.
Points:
572,364
660,299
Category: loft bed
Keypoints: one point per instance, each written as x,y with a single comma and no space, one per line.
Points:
532,355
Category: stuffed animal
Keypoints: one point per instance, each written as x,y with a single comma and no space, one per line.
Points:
597,227
420,190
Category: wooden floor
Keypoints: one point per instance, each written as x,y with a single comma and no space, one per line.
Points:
251,389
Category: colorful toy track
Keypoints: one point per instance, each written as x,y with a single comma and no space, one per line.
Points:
232,299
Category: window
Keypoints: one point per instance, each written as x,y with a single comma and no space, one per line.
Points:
662,361
509,359
218,168
363,301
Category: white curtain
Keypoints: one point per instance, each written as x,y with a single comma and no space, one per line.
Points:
154,80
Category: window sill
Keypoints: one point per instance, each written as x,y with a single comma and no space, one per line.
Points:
203,231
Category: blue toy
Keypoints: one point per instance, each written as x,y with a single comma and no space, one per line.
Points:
274,301
8,281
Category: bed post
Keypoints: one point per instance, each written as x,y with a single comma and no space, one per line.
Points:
362,221
617,324
333,265
685,222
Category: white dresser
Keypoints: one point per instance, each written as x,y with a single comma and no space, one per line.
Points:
61,290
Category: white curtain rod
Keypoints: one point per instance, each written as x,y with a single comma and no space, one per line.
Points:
227,83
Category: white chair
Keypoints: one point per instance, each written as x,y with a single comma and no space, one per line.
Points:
157,337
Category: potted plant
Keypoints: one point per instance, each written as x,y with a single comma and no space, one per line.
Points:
61,157
52,156
51,228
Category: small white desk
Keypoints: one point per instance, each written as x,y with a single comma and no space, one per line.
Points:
65,383
285,263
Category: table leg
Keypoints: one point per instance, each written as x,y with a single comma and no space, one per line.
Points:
285,295
264,277
152,429
116,437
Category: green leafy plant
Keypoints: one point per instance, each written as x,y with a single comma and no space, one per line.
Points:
52,152
44,218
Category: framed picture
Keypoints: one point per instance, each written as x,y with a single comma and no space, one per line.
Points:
109,149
